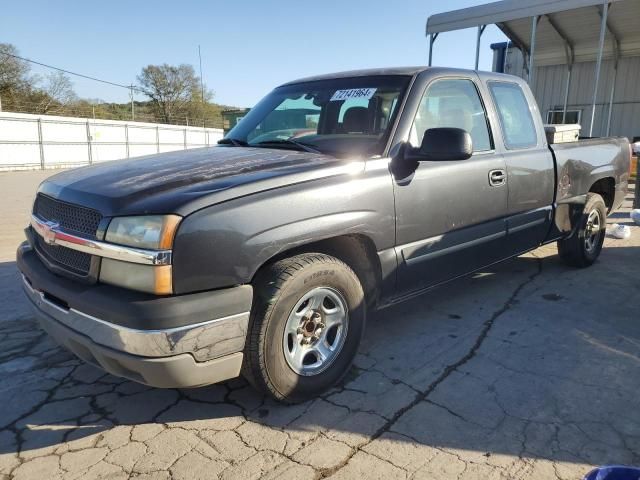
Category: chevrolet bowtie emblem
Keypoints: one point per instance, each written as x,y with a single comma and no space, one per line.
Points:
49,233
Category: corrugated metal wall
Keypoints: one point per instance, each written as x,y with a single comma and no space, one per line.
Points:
550,83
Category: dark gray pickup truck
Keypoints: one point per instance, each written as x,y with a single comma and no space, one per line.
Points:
334,196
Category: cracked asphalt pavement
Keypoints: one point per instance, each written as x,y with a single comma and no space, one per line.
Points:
527,370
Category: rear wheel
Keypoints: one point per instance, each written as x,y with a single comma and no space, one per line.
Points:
306,324
584,247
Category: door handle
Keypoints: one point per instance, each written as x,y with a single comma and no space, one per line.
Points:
497,178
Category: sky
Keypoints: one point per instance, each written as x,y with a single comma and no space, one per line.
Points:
248,47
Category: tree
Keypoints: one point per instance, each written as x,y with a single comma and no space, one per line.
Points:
14,77
175,94
57,93
13,71
172,90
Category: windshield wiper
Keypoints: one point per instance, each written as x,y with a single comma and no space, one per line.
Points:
233,141
299,145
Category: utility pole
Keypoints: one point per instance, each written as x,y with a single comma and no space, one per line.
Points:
201,83
133,115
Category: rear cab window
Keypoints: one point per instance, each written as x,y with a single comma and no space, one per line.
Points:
516,122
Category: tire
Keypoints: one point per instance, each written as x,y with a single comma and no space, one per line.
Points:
285,294
583,247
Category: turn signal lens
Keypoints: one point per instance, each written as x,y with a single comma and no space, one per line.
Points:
154,279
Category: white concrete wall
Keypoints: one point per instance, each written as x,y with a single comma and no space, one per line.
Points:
29,142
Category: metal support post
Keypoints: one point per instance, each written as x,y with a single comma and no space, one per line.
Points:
603,31
532,50
506,52
40,143
432,39
616,59
480,32
570,55
612,95
126,138
89,143
567,87
133,115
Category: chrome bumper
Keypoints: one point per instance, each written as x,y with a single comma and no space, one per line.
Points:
203,341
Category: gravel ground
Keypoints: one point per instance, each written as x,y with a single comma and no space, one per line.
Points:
527,370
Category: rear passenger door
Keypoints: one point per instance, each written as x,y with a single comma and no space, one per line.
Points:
530,167
450,215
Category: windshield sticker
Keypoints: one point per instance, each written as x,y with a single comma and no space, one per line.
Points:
359,93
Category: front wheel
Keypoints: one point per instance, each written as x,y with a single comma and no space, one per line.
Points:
306,324
585,245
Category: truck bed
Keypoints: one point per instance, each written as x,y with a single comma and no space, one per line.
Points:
582,163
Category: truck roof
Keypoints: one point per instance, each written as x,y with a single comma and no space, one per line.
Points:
404,71
368,72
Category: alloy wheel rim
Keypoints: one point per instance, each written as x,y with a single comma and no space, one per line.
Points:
315,331
593,231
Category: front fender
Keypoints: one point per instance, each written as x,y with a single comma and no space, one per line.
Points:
225,244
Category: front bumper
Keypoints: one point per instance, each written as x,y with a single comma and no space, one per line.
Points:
175,341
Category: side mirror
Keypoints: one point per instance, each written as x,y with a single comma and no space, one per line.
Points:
441,144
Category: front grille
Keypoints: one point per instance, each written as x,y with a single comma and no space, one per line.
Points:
74,219
78,263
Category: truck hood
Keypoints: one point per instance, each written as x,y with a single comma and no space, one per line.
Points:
182,182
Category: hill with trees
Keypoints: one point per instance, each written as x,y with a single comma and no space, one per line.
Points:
174,94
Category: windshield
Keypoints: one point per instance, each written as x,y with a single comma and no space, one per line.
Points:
340,117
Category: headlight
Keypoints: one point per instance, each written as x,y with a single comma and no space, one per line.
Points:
154,232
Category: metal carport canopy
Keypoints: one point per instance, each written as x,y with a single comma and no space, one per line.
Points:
554,32
561,23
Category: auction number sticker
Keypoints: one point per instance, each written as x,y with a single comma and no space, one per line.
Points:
358,93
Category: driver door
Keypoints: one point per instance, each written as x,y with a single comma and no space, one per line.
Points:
450,215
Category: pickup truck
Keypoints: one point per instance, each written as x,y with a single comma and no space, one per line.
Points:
334,196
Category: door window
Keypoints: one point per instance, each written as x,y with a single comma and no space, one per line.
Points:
515,117
452,103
